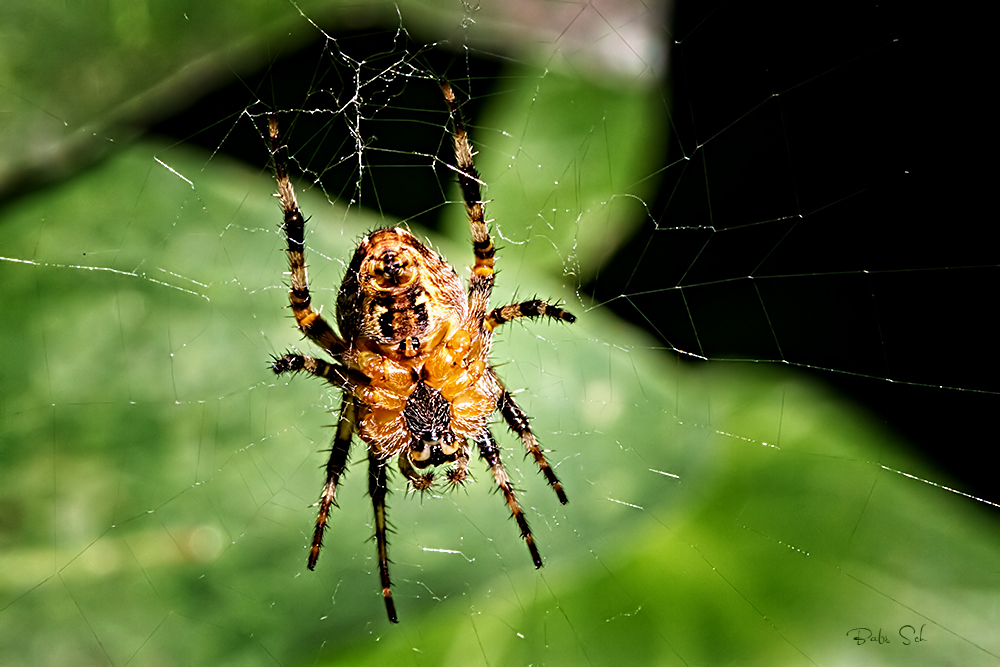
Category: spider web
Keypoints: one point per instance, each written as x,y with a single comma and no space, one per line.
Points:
769,416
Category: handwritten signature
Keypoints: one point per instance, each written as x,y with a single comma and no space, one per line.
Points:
908,633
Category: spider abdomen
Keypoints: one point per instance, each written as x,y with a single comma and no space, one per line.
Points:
399,294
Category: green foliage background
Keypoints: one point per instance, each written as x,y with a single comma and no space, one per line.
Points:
155,480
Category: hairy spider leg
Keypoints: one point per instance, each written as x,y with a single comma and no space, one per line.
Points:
481,283
337,375
532,308
340,377
310,323
377,490
518,423
335,466
490,452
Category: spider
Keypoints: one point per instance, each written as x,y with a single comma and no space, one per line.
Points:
412,356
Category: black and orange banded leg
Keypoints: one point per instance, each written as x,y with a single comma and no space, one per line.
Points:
339,453
337,375
518,423
377,490
309,321
490,452
533,308
481,282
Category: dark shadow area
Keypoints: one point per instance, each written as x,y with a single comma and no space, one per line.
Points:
826,145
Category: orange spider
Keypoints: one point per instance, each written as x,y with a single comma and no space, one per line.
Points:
412,356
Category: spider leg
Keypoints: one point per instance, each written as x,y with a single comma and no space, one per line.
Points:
481,283
334,469
532,308
309,322
518,423
337,375
489,450
377,490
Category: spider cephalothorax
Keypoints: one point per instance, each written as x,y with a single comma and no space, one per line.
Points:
412,356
